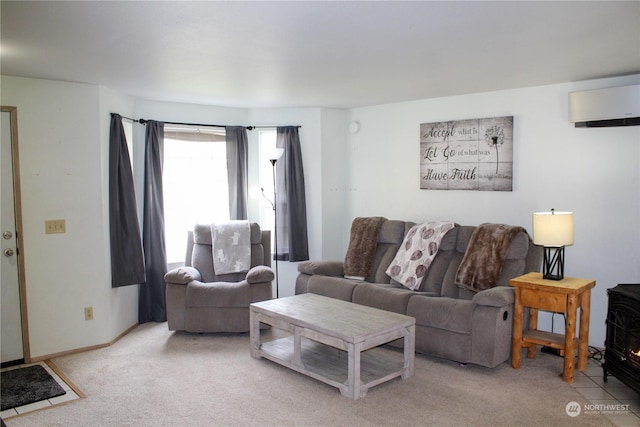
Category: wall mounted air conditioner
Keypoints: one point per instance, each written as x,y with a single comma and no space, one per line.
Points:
615,106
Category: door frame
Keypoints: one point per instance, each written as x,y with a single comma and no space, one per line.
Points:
13,117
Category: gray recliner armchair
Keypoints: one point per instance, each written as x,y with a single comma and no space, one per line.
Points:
198,300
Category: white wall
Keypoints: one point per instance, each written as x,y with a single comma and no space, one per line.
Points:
63,159
593,172
334,171
190,113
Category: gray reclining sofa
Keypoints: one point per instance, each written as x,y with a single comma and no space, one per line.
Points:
451,322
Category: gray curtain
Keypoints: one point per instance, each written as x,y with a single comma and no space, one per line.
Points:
237,158
127,259
152,302
291,205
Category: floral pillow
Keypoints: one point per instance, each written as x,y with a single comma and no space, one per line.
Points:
419,248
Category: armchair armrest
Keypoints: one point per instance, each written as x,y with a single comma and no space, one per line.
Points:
325,268
182,275
495,297
260,274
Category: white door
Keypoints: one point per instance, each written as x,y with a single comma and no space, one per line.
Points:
11,326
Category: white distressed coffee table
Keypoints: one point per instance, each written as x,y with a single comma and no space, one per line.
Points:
334,341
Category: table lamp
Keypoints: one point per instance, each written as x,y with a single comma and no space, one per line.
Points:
554,231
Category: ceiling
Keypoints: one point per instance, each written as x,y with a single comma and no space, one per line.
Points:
317,54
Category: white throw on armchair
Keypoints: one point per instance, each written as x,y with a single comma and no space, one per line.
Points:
198,300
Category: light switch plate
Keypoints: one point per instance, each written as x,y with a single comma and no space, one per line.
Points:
54,226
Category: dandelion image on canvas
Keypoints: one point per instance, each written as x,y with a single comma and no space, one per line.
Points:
494,136
460,155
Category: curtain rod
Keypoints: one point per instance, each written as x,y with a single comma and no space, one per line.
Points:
144,121
125,117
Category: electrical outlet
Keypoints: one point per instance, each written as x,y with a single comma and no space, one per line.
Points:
88,313
54,226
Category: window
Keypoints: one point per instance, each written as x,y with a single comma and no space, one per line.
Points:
195,183
196,188
265,199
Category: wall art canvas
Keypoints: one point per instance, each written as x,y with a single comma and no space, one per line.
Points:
475,154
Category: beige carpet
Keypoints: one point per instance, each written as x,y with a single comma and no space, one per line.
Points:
153,377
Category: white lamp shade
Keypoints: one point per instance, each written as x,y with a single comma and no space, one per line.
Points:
553,229
276,153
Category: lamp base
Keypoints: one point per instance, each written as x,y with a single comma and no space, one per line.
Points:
553,263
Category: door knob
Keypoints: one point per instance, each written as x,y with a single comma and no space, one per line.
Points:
8,252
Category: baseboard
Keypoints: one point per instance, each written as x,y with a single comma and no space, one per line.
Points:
83,349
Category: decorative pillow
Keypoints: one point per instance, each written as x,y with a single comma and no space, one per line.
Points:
419,248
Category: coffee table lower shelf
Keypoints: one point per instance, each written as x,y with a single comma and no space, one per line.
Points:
331,365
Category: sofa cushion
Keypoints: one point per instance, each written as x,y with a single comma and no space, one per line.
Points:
519,246
381,261
443,313
218,294
392,231
389,239
464,237
333,287
383,296
418,249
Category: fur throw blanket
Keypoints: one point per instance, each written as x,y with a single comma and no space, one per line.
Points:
485,256
362,247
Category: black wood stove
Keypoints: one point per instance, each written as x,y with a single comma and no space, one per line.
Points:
622,346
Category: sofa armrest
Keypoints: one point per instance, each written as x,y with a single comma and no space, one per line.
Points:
325,268
495,297
182,275
260,274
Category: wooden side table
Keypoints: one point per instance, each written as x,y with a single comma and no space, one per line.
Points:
560,296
